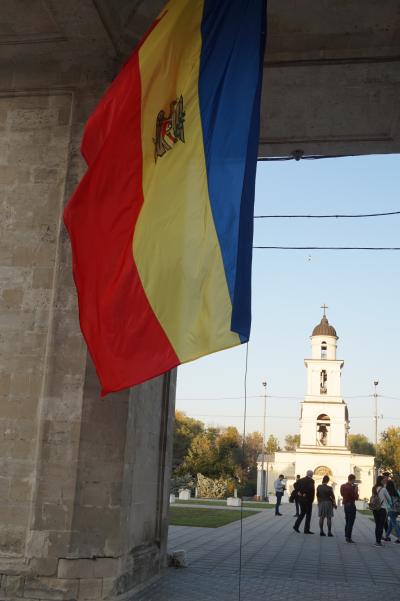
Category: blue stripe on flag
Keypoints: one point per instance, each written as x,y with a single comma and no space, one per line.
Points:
233,33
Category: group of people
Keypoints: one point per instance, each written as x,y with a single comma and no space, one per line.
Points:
384,503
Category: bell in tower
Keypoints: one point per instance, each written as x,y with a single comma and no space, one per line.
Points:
323,426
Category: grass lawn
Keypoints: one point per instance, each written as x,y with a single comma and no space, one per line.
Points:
204,517
254,504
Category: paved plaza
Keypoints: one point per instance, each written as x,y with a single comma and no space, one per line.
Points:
278,563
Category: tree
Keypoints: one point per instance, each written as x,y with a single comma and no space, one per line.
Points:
272,445
388,452
229,445
360,444
185,430
252,448
202,456
292,441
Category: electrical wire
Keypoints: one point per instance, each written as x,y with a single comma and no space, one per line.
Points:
236,398
241,416
298,155
273,396
327,247
222,398
339,216
218,415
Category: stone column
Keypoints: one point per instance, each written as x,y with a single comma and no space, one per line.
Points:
83,481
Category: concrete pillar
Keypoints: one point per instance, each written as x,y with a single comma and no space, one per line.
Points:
83,481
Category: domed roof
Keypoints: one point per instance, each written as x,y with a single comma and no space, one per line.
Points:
324,329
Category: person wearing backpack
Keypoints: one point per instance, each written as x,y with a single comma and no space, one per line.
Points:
387,476
393,512
380,503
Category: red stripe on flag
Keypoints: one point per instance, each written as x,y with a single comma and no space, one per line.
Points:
118,323
100,121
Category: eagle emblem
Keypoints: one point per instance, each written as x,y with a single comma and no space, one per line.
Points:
169,128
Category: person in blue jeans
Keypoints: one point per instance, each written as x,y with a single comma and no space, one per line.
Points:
392,514
279,490
385,505
349,492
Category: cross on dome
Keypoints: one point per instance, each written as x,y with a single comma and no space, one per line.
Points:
324,328
324,307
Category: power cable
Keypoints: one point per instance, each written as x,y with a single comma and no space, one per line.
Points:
339,216
326,247
298,155
218,415
272,396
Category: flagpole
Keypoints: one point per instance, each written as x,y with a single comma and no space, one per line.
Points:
264,478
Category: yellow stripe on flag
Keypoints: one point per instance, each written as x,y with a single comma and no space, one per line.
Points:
175,244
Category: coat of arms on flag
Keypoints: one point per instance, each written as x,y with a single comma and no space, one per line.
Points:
169,128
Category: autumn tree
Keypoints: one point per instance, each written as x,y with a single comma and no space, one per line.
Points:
272,445
217,453
388,452
229,445
202,456
253,447
360,444
185,430
292,441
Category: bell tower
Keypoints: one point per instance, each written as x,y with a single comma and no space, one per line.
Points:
324,421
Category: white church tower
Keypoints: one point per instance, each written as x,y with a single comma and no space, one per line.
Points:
324,426
324,421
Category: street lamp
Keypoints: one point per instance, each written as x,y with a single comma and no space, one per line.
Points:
264,492
376,382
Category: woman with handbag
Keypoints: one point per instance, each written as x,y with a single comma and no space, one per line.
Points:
326,503
393,512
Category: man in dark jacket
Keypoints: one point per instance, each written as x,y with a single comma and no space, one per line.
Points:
296,498
306,494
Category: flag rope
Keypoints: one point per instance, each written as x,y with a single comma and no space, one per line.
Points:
243,451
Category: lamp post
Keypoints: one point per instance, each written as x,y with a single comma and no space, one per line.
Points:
264,479
376,382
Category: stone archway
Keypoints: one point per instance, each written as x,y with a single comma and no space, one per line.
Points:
320,472
323,470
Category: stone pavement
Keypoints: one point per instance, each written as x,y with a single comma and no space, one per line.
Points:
278,563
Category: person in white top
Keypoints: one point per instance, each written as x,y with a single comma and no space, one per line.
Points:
385,505
279,486
392,513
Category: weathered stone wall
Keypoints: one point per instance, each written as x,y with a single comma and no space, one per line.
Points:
33,158
83,481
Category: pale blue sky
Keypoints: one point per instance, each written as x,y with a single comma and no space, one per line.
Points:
361,289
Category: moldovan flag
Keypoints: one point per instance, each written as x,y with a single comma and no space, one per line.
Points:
161,225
